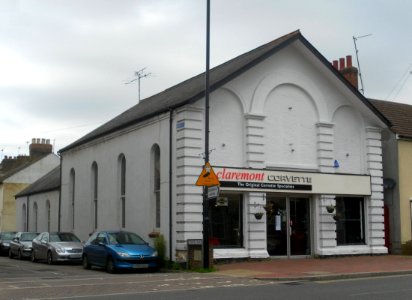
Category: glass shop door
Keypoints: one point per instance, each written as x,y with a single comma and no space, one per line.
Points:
288,226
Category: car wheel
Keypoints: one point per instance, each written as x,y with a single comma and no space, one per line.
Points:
110,268
86,264
50,258
10,253
33,257
19,254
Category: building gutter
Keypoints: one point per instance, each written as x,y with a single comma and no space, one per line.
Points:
60,194
28,213
170,183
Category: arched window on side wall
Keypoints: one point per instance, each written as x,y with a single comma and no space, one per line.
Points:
122,189
35,215
95,188
24,217
48,214
156,183
72,193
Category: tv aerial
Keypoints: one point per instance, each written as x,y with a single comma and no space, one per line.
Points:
355,38
139,75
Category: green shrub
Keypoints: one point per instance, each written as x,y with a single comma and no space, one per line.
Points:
160,245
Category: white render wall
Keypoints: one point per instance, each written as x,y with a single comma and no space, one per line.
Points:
136,145
42,218
296,118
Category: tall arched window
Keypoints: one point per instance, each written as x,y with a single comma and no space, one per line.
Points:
48,214
72,193
95,188
35,215
156,183
24,217
122,189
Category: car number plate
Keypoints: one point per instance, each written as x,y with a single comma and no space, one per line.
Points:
75,256
140,266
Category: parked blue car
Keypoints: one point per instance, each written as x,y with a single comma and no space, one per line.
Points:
116,250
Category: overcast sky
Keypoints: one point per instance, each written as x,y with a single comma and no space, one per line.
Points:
64,63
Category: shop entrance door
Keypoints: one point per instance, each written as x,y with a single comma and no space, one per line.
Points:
288,226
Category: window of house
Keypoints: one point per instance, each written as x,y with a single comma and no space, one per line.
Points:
350,222
225,221
35,214
156,183
95,192
72,194
122,166
48,214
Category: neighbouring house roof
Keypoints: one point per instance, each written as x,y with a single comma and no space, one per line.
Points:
194,88
9,167
47,183
399,114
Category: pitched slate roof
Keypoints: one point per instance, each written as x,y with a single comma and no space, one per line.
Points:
194,88
399,114
47,183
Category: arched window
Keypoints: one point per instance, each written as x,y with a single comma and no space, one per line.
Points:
122,189
24,217
95,188
35,215
156,183
48,214
72,192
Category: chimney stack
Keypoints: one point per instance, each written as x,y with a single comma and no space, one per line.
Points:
40,147
348,71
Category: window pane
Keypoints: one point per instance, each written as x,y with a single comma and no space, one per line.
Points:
225,227
349,220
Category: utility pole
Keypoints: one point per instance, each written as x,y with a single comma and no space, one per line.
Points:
205,189
139,75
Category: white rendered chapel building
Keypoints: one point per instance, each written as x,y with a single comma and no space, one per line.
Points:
290,137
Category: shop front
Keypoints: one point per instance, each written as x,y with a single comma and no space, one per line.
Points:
294,210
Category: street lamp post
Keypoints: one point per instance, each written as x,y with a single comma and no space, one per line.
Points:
205,189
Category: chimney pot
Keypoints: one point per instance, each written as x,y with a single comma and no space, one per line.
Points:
335,64
349,61
341,63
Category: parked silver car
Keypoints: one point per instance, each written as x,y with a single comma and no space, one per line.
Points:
21,244
5,238
57,247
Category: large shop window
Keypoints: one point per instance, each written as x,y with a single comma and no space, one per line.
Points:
226,224
350,223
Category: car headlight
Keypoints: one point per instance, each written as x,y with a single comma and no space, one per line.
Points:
155,253
59,250
123,254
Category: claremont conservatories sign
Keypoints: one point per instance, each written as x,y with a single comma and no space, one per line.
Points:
293,182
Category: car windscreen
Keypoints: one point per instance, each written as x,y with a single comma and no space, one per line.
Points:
7,235
63,237
125,238
28,236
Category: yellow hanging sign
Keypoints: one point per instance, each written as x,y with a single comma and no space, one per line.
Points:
207,177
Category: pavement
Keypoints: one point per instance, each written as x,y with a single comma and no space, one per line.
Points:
319,268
